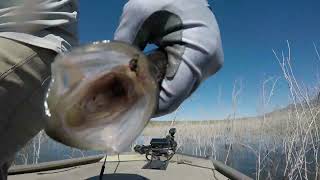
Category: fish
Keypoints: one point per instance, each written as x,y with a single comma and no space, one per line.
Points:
102,95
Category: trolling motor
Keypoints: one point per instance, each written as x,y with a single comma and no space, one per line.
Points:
159,147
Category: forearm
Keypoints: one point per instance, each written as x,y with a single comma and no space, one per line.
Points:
24,72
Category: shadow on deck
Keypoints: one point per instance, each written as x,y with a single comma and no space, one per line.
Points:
119,176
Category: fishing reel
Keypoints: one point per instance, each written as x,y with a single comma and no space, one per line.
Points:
161,149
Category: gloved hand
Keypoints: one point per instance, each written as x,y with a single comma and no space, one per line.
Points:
187,31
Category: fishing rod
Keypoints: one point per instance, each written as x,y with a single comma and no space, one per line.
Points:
102,168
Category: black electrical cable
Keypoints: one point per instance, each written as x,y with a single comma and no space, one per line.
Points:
102,168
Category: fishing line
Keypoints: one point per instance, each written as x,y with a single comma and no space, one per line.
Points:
115,170
176,113
174,118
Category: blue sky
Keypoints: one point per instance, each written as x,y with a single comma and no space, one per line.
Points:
250,30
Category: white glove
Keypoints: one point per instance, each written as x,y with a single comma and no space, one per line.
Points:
187,31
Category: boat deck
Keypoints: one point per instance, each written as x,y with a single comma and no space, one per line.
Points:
125,167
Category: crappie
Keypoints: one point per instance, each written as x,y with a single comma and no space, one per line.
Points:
102,95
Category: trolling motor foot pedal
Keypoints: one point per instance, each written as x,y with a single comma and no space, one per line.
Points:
156,164
159,152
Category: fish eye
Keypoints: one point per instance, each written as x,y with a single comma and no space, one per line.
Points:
133,64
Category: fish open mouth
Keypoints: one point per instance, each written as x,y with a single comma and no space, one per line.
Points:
111,90
106,98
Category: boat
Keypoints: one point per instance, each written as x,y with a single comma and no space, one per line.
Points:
127,166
